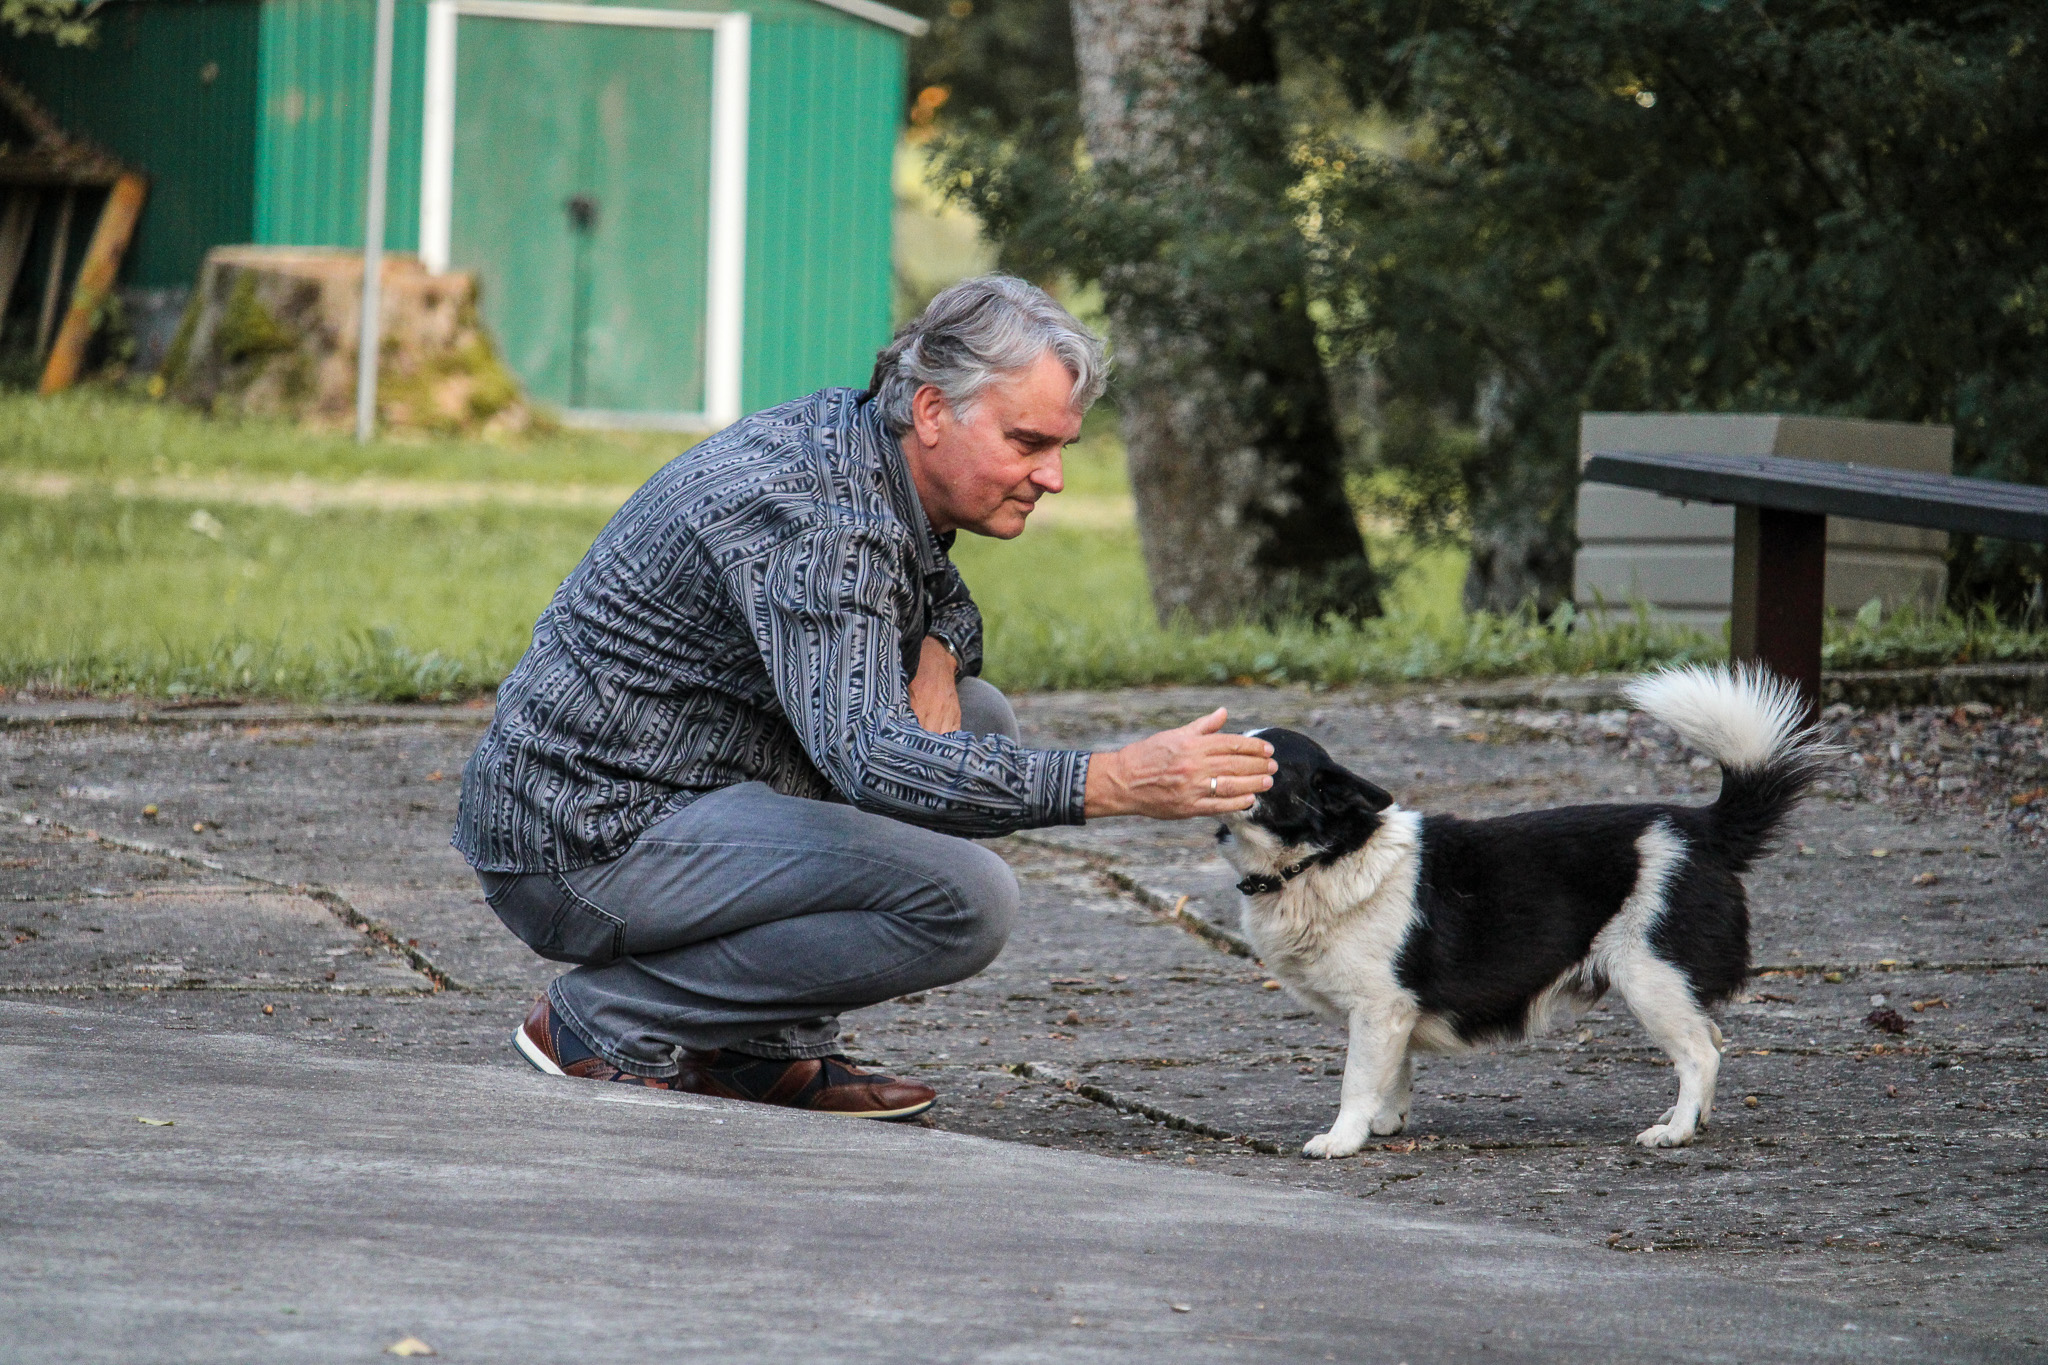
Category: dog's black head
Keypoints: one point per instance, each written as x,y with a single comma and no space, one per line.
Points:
1317,811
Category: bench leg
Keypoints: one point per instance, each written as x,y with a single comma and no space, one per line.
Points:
1780,583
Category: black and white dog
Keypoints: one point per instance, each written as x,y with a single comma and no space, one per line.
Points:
1431,933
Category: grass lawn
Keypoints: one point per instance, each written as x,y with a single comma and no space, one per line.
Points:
144,549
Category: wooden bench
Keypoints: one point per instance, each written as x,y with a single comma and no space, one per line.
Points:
1782,508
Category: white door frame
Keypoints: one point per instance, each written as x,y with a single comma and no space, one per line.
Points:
725,294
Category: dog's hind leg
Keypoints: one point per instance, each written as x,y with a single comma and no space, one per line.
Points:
1659,996
1376,1081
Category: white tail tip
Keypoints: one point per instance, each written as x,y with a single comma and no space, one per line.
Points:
1741,717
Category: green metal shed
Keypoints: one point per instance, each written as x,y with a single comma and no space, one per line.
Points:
680,211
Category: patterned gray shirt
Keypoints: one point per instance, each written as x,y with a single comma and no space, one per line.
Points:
755,612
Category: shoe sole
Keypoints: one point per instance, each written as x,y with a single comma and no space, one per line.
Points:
885,1115
530,1050
523,1044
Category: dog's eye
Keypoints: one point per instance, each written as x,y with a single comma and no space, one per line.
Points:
1222,834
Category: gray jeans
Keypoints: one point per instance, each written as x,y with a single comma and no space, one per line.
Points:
751,920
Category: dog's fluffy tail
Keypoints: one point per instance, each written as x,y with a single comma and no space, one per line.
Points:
1753,724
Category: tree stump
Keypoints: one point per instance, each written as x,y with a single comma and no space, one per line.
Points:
271,331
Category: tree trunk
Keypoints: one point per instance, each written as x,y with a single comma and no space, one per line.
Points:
1236,462
1522,493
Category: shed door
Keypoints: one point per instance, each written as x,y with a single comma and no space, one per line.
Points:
581,196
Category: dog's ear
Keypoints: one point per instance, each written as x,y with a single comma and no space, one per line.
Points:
1347,810
1341,789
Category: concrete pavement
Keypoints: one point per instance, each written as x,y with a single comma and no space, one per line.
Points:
287,877
178,1195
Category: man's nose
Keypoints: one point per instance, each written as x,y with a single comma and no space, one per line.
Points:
1049,476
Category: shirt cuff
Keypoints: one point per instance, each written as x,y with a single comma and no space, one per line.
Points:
1066,787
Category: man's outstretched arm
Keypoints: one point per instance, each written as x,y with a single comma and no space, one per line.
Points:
822,616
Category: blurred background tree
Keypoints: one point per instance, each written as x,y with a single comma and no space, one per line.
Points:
1164,180
1484,217
1822,207
66,22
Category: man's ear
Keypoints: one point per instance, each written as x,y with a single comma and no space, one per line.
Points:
928,411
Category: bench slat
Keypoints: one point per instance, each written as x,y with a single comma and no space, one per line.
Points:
2008,511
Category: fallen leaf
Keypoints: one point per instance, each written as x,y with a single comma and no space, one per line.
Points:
1269,985
1182,1307
1880,853
1750,1101
270,1009
1926,878
1933,1002
1886,1020
155,1123
409,1346
149,812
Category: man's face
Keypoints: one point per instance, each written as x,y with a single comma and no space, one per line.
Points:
986,473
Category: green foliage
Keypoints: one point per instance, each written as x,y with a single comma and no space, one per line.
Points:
999,58
1822,206
68,23
1913,639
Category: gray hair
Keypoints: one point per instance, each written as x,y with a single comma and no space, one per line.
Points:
975,333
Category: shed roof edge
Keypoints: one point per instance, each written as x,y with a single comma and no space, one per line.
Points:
886,15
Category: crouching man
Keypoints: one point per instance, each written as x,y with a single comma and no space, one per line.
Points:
735,776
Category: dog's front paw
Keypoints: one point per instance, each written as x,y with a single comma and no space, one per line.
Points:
1665,1135
1324,1146
1388,1124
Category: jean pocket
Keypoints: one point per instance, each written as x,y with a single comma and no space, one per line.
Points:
550,918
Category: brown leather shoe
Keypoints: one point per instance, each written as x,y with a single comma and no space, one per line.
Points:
825,1085
543,1042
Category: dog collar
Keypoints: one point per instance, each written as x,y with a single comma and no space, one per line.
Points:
1261,884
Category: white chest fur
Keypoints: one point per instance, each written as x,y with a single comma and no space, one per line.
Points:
1332,933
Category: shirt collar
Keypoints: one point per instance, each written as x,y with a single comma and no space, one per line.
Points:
931,546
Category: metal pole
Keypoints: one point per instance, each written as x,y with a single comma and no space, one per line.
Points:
372,329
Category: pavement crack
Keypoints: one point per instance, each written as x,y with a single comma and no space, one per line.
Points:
1888,964
1174,911
225,988
1040,1071
336,903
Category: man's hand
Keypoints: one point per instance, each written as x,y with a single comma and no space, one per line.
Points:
935,691
1168,775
